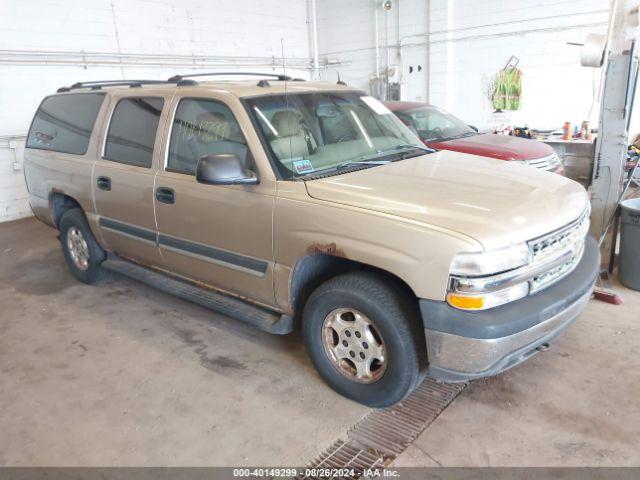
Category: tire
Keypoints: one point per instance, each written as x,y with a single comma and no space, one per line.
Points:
360,297
74,230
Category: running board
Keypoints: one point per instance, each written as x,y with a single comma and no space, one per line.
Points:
266,320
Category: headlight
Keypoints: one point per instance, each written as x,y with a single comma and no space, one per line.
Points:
473,264
477,280
482,280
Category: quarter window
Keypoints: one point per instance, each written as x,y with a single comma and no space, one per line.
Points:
63,123
132,131
204,127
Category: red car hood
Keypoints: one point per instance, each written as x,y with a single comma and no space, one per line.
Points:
502,147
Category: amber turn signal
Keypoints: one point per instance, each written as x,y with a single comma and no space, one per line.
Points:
465,302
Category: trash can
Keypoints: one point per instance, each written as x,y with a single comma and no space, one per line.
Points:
629,260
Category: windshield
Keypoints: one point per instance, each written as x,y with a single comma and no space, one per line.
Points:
318,132
432,124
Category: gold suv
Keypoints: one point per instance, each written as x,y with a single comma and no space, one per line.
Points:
291,204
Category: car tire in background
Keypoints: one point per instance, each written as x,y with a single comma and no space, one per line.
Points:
80,248
364,337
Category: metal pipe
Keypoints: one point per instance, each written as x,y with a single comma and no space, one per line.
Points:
377,39
428,48
386,28
479,36
398,49
8,138
386,66
507,23
73,58
314,30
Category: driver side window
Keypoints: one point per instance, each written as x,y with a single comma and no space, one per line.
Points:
203,127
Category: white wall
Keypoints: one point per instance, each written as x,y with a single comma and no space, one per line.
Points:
42,43
346,30
462,43
469,41
466,53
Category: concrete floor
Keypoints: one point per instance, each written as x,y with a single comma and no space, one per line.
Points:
120,374
577,404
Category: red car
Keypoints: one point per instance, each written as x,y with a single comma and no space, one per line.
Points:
441,130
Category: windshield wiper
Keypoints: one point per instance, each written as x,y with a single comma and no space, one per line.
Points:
407,146
397,148
351,163
462,135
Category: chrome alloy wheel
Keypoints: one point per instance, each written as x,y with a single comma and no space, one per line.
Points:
78,248
353,345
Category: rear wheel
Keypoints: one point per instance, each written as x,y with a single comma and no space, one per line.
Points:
363,336
79,246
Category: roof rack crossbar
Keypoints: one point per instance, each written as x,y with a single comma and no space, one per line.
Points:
177,78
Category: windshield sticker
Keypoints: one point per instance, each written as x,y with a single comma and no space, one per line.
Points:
376,105
302,166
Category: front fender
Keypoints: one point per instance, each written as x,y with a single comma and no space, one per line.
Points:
418,254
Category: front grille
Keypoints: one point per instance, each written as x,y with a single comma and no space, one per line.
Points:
551,276
549,162
566,243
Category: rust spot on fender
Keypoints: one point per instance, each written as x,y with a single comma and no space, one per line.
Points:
326,249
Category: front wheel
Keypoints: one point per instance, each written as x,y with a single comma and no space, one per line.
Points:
364,338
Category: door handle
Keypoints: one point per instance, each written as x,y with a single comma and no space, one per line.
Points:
165,195
104,183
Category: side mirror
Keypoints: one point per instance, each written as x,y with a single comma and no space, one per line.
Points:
475,129
223,169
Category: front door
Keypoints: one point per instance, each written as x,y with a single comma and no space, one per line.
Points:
220,235
124,176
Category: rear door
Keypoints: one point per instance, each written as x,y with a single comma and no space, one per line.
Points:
123,176
217,234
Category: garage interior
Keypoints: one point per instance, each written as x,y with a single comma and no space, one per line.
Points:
121,374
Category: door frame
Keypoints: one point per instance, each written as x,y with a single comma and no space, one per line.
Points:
259,269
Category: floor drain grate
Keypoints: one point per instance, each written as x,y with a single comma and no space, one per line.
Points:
382,435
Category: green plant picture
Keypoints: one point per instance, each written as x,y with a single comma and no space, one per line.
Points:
507,88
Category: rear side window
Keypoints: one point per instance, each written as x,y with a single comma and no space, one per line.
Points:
63,123
132,131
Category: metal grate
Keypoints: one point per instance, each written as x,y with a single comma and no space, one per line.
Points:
382,435
566,242
545,163
560,240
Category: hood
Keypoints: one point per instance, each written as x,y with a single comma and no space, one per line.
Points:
496,203
502,147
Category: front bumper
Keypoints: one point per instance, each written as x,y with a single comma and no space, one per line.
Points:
466,345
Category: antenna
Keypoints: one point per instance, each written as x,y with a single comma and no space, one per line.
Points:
284,73
339,82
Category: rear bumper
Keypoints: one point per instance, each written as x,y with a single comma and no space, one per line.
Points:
466,345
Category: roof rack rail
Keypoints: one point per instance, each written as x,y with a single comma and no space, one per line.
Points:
98,84
180,79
